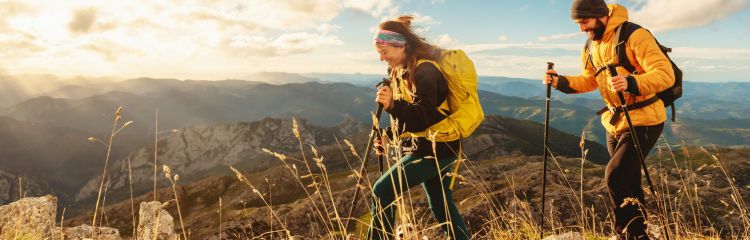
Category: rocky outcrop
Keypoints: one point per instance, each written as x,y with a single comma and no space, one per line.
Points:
85,232
203,148
28,218
155,222
9,187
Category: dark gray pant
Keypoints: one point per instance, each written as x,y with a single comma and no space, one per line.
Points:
415,170
623,178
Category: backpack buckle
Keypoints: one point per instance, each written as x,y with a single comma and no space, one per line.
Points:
611,109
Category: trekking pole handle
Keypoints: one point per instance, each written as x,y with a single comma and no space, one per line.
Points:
613,72
384,83
376,128
550,66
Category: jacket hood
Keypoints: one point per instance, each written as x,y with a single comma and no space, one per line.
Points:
617,16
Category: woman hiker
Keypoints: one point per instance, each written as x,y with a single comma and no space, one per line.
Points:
417,90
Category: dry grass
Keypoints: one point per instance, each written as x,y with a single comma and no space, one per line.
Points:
105,171
515,219
173,180
686,214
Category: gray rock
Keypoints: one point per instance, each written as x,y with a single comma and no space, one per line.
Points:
155,222
566,236
84,232
28,218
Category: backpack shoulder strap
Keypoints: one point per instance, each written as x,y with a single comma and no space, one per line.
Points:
422,60
587,51
624,32
590,59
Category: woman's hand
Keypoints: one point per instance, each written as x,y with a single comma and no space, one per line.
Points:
385,97
378,145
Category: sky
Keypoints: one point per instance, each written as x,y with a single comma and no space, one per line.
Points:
226,39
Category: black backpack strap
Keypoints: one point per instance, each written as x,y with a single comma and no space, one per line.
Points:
624,31
617,111
587,50
590,59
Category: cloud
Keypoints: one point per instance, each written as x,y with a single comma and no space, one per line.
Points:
82,21
327,28
423,20
19,44
110,50
523,66
711,66
223,21
286,44
446,41
10,8
375,8
666,15
295,43
711,53
560,36
502,38
478,48
39,34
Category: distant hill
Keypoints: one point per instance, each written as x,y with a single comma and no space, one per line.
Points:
280,78
57,159
19,88
186,103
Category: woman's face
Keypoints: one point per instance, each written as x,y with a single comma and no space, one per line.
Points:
394,56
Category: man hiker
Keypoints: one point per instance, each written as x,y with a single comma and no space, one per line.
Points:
653,73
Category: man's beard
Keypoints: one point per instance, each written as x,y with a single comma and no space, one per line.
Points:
599,30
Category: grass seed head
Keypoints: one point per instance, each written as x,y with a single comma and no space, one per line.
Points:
295,128
118,113
167,171
629,201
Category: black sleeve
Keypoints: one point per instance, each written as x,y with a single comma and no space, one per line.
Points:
563,85
431,91
632,86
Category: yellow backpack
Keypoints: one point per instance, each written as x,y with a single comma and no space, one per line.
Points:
463,99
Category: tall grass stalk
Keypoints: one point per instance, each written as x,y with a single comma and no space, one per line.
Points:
315,184
117,117
244,180
173,180
20,188
156,141
132,202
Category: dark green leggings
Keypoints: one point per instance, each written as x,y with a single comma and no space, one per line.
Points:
415,170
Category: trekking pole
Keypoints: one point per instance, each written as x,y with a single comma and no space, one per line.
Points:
373,133
613,72
550,66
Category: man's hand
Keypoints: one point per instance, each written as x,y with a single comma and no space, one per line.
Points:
550,77
619,83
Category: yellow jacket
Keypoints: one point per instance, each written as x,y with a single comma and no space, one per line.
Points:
655,73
